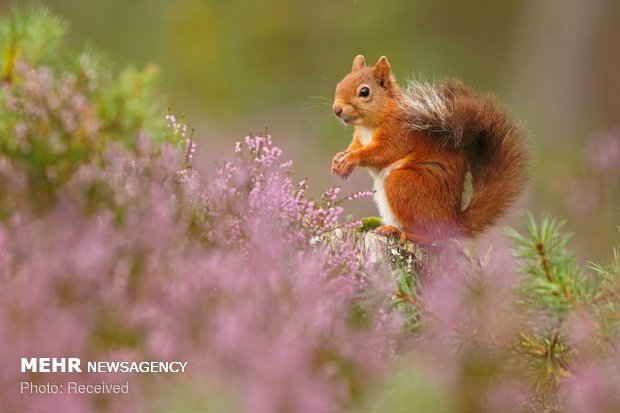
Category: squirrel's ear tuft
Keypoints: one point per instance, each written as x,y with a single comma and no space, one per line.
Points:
382,71
358,63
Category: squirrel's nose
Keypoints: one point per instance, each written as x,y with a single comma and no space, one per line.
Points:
337,110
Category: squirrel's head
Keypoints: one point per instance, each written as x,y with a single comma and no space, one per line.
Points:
364,94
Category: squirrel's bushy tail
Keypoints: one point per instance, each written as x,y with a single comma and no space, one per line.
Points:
496,150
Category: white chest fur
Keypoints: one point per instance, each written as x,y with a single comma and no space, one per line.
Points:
379,177
365,134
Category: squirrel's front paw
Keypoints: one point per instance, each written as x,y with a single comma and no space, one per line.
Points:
344,166
337,158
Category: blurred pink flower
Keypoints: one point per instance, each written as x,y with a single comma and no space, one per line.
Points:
603,151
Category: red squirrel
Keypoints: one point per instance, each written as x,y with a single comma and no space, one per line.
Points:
418,146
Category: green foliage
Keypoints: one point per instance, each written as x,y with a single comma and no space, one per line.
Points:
554,282
606,300
33,36
128,104
554,298
370,223
412,390
63,109
554,292
406,299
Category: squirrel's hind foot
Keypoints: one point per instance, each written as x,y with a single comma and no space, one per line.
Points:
390,231
387,230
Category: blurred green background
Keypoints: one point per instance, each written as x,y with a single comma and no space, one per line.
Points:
236,66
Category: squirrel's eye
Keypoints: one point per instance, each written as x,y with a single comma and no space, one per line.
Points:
364,92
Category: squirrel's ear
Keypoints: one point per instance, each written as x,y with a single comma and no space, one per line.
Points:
382,71
358,63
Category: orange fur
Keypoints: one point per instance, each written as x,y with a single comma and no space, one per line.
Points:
425,152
